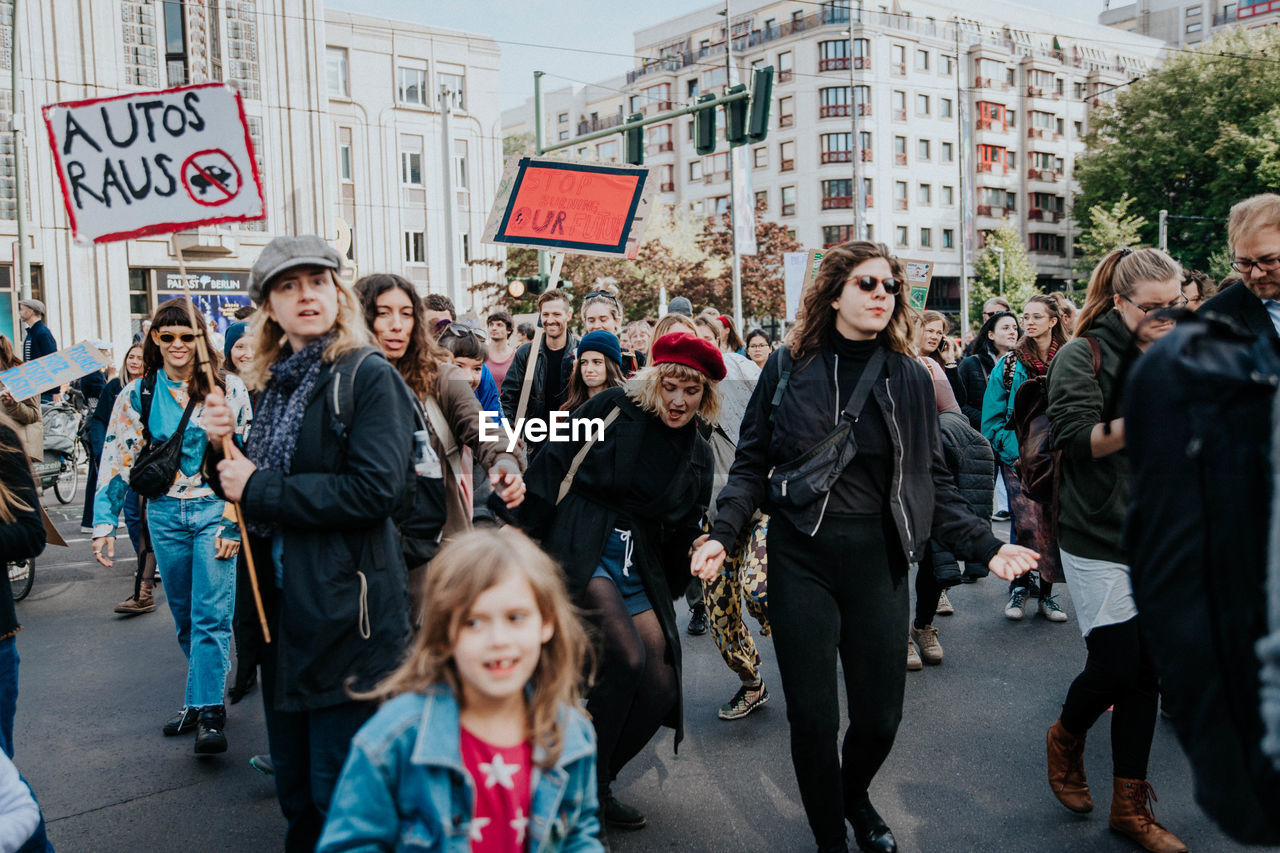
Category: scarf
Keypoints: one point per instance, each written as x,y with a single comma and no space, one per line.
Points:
278,419
1035,367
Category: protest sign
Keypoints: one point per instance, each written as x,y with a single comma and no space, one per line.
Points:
51,371
798,271
919,275
154,162
584,208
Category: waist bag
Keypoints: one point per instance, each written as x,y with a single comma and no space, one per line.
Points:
156,465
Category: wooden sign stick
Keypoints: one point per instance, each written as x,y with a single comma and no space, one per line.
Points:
202,351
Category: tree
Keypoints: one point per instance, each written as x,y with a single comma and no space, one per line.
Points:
517,143
1108,229
1019,273
1193,137
763,286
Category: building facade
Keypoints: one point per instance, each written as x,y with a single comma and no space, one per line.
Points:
895,113
323,157
1187,23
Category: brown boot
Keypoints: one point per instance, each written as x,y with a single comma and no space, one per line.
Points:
1066,769
1131,816
144,603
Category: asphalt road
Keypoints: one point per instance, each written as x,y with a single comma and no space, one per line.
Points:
967,773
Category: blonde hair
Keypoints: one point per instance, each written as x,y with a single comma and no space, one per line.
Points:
1117,275
1260,211
667,325
467,566
645,388
269,337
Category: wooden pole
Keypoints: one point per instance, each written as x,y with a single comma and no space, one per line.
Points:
204,363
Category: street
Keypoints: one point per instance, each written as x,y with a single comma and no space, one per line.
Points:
967,773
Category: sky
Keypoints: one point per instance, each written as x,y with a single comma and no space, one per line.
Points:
574,40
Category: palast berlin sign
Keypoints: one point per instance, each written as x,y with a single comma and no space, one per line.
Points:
154,162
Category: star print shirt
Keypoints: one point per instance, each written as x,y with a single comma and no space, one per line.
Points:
501,778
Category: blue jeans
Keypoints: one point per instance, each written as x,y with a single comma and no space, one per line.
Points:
38,842
200,588
133,518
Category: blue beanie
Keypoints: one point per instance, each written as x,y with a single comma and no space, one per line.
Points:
233,333
605,343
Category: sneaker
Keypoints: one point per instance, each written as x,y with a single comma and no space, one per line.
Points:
85,529
1017,606
619,815
182,722
1001,515
927,639
211,737
945,607
18,571
1050,610
913,660
262,763
698,620
746,700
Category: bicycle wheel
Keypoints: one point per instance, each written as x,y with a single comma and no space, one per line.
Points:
22,575
65,486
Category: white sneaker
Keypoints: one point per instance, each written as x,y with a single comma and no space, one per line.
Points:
1050,610
945,607
1017,606
913,659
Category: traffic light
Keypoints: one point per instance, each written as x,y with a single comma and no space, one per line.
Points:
634,139
704,126
735,117
533,285
761,96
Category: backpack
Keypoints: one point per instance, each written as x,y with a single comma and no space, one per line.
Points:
1039,466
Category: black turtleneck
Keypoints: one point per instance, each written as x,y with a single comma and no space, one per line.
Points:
864,485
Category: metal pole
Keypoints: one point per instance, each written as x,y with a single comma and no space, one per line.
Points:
964,231
1164,230
855,152
1001,251
733,182
539,137
23,272
450,199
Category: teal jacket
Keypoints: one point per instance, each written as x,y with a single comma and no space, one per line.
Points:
997,410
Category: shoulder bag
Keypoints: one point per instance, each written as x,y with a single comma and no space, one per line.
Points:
156,466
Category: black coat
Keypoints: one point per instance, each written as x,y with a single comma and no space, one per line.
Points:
334,511
1242,306
923,499
974,372
24,536
601,499
972,462
539,405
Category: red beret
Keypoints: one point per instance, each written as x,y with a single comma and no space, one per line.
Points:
691,351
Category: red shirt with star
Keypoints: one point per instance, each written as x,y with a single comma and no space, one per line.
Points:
501,778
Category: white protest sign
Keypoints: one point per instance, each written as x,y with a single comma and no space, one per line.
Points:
51,371
154,162
793,280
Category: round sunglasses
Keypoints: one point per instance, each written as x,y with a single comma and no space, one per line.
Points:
867,283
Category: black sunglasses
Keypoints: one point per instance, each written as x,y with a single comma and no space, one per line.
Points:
868,283
170,337
606,294
462,330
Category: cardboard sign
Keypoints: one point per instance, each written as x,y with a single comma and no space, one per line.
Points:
798,271
584,208
919,275
51,371
154,162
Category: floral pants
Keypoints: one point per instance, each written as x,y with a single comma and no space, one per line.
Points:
743,576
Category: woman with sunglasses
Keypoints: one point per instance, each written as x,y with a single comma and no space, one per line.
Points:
1118,322
894,494
193,531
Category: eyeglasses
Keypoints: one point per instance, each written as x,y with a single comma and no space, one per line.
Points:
1180,302
462,330
170,337
1244,266
868,283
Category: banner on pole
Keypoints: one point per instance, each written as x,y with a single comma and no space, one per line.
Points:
154,162
919,276
583,208
798,271
52,371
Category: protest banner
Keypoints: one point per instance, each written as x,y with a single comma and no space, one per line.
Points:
919,275
798,271
154,162
583,208
52,371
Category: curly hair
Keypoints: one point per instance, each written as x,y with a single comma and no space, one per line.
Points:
816,319
420,364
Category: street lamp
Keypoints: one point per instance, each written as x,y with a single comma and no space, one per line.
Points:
1000,254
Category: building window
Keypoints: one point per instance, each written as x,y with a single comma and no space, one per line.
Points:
563,118
837,194
413,86
762,199
344,161
788,201
833,55
922,149
175,42
719,205
336,69
834,235
411,168
760,157
948,238
944,108
1195,28
415,247
948,152
607,150
460,164
926,238
457,85
564,134
1047,244
833,101
922,60
948,65
1193,11
924,194
1077,128
898,59
695,170
861,53
900,150
948,196
922,105
837,147
787,156
786,66
786,111
901,238
899,102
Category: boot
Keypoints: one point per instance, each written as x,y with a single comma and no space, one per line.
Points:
870,831
144,603
211,737
1131,816
181,722
1066,769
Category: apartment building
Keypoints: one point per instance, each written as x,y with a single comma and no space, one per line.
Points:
1187,23
876,108
330,144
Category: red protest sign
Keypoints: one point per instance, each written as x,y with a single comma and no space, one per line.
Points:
154,162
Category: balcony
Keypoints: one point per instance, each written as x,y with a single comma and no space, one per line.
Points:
786,75
900,159
585,127
864,109
1043,215
661,147
837,156
985,210
862,63
787,166
656,107
899,204
713,177
833,110
839,63
786,121
1047,175
837,202
668,187
866,155
994,125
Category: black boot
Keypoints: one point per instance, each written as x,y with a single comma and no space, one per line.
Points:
698,619
211,736
618,815
870,831
246,678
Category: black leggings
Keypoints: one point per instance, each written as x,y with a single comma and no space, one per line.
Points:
822,603
928,590
636,685
1118,672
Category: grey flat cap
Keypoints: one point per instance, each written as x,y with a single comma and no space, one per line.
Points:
680,305
35,305
285,253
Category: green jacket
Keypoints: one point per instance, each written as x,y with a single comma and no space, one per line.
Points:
1094,496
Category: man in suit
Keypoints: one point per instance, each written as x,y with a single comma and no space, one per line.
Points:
1253,232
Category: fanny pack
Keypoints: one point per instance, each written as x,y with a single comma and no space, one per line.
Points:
810,476
156,465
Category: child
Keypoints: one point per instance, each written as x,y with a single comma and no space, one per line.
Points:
469,350
480,746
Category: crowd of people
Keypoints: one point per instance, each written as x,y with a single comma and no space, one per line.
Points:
465,644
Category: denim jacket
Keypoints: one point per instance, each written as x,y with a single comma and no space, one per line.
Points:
404,786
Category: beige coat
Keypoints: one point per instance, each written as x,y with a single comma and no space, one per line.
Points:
26,413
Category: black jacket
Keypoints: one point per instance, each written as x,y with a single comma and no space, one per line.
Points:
1242,306
539,405
923,499
972,462
23,537
38,342
974,372
344,576
101,417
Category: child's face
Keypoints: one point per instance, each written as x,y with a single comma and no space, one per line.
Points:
500,641
471,367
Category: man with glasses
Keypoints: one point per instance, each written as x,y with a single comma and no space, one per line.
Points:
1253,232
